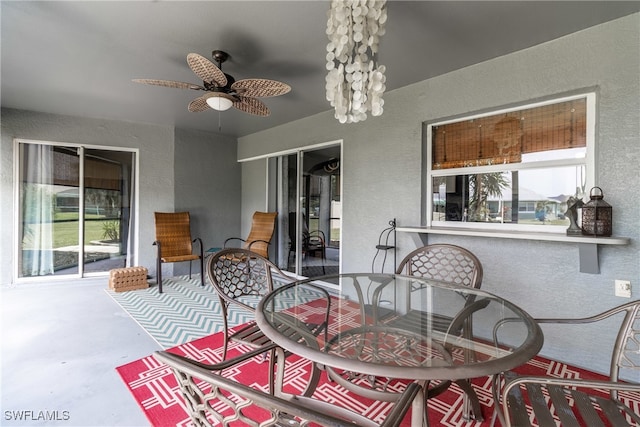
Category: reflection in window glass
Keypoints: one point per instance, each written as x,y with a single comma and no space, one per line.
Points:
532,196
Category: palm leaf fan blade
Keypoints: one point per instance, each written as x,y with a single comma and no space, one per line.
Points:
260,88
199,104
206,70
251,106
169,83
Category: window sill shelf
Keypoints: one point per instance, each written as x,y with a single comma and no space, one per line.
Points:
549,237
587,246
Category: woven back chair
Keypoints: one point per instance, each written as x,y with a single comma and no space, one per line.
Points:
212,399
241,278
174,242
451,264
262,227
443,262
575,401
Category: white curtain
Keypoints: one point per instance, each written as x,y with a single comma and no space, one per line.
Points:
37,210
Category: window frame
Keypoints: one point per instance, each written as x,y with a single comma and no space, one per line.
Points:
588,161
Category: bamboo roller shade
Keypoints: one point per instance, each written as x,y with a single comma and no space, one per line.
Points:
66,171
505,137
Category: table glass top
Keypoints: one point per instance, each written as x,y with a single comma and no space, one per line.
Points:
382,324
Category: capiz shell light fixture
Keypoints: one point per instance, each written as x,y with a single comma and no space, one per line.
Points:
355,81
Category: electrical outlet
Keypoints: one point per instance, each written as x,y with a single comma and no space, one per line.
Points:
623,288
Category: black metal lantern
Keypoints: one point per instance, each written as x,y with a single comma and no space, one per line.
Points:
596,215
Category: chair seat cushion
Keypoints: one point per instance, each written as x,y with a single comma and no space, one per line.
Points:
180,258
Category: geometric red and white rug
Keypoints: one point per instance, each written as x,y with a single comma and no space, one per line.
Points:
154,387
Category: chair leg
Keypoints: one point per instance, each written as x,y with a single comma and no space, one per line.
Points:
272,374
471,404
225,325
159,274
202,270
190,262
492,423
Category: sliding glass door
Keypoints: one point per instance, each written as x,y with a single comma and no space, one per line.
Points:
75,206
310,212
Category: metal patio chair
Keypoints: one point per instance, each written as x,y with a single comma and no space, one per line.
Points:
445,263
451,264
211,398
241,278
574,401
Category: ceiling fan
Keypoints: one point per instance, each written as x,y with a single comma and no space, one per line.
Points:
222,90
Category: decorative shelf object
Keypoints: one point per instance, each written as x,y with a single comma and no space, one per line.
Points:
587,245
384,245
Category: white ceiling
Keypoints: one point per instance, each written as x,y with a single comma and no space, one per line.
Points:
78,57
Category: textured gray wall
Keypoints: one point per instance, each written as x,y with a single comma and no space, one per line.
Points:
179,170
382,174
254,196
207,184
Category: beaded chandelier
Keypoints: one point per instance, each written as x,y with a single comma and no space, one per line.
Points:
355,81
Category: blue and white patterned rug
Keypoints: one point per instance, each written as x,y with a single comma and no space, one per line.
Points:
185,311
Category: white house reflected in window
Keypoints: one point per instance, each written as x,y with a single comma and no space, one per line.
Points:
512,169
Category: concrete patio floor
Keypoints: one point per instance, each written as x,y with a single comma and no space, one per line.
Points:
60,343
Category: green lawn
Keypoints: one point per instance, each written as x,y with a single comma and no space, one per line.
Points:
65,232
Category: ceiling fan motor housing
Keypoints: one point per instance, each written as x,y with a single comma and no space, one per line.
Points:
219,56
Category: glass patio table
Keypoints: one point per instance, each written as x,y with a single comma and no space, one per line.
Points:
398,327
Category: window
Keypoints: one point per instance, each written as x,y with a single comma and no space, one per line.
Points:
76,209
306,195
510,169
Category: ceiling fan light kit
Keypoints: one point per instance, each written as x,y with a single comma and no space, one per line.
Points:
220,101
355,81
222,90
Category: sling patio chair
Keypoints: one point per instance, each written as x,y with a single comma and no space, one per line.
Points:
262,227
573,402
174,242
212,399
241,278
